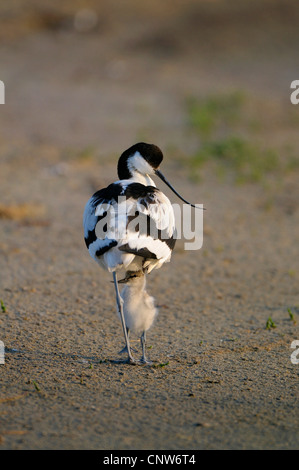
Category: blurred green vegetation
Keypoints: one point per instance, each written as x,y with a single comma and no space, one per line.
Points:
223,127
247,161
206,115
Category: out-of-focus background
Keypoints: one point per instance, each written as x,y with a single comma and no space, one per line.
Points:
209,82
78,72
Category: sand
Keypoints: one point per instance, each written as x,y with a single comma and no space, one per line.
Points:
222,376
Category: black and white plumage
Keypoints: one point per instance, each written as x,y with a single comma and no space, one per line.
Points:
130,226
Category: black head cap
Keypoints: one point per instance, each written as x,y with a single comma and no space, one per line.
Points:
150,152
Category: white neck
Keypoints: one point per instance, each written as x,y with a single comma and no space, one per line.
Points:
140,170
143,179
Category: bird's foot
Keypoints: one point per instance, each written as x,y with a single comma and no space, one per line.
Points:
132,361
143,360
128,351
125,350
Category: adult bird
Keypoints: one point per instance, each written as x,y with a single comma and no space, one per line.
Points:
130,226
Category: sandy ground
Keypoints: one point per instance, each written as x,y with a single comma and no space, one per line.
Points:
74,101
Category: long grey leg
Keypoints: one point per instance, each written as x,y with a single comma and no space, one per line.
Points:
143,340
119,302
125,350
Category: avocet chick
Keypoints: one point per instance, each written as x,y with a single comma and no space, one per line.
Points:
138,306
